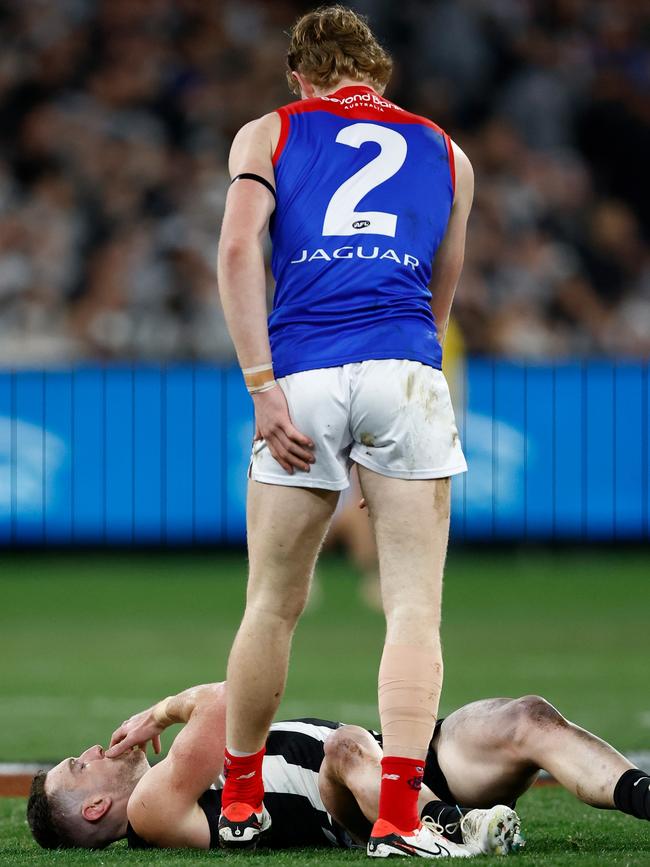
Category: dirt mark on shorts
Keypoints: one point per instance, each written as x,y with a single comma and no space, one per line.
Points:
424,395
367,439
428,398
410,383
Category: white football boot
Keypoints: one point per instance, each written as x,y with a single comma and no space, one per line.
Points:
496,831
426,841
240,826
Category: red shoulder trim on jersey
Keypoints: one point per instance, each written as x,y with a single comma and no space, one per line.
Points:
452,162
358,103
284,133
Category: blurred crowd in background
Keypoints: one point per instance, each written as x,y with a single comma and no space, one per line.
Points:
116,118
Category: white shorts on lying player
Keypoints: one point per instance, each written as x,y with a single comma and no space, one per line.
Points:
392,416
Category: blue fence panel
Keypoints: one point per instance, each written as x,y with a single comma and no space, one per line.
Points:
88,455
29,450
629,452
58,415
509,450
159,455
210,487
119,456
149,490
598,451
569,434
179,461
539,469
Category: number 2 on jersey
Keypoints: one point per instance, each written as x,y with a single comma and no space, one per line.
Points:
340,216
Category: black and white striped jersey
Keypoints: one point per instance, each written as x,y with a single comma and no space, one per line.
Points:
295,750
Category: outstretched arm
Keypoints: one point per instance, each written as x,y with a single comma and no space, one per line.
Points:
163,808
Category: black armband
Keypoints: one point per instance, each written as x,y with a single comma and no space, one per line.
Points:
249,176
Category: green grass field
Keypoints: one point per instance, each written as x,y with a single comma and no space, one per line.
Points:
86,640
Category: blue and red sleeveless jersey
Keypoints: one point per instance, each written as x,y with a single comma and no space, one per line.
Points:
364,194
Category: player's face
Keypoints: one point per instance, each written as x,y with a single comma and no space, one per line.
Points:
92,772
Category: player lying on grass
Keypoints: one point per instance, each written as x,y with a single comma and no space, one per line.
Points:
483,754
322,781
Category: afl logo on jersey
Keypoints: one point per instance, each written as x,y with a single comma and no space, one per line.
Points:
360,224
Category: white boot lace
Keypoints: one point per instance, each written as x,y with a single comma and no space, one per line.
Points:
430,823
469,823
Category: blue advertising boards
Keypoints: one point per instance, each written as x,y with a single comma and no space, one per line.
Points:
159,454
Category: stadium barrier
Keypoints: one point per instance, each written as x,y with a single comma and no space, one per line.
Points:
158,454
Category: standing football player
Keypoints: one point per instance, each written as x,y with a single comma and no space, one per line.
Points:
367,207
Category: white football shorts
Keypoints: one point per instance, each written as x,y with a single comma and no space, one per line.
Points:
392,416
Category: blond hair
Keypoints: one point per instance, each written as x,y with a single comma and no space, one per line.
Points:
332,43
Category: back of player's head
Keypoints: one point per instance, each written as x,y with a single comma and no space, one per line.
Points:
46,817
55,820
332,43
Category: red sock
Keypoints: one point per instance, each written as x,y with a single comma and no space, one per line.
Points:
401,781
244,781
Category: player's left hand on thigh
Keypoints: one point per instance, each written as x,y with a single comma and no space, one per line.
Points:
136,731
290,448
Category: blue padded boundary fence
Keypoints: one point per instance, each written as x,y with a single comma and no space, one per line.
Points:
159,454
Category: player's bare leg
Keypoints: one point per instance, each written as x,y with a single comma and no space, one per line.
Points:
349,783
286,526
349,780
491,751
411,524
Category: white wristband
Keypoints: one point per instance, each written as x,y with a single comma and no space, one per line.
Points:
266,387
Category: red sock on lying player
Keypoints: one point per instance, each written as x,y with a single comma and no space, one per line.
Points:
401,781
244,781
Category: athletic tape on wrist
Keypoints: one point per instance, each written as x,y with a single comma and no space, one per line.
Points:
256,378
160,714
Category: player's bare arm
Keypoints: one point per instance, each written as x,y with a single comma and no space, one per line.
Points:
448,264
163,808
242,287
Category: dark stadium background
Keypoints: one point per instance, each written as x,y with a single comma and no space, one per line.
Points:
124,425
